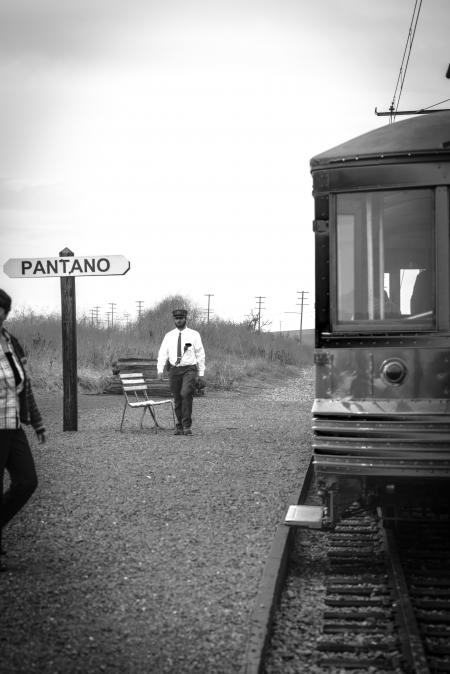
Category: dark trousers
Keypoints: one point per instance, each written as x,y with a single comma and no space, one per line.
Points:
182,385
17,460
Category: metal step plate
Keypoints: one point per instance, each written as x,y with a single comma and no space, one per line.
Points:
305,516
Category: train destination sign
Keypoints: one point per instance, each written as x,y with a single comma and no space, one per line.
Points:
104,265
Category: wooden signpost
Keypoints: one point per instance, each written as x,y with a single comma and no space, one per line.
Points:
67,266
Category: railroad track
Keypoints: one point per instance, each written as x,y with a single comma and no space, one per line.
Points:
384,604
358,623
420,570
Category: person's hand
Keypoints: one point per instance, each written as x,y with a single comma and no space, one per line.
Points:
160,376
42,438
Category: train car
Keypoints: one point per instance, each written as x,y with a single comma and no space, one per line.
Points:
381,415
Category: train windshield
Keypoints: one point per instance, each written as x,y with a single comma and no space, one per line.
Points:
385,266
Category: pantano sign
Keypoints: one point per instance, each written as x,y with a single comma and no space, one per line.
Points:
66,266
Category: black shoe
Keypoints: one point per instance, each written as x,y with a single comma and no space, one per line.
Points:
187,431
179,431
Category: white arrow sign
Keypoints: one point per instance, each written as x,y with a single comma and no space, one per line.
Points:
35,267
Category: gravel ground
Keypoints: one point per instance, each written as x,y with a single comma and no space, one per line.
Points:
298,618
142,552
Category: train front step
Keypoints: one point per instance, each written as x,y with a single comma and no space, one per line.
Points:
312,517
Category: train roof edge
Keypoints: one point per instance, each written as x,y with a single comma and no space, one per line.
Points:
417,136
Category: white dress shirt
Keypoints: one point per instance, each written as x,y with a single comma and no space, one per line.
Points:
191,355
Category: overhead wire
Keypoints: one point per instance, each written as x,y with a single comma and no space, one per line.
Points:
439,103
406,55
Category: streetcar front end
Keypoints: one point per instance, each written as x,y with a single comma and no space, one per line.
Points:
381,424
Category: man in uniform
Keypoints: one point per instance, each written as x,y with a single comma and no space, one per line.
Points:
183,351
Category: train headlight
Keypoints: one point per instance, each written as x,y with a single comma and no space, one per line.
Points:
394,371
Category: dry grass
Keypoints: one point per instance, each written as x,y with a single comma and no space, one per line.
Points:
234,353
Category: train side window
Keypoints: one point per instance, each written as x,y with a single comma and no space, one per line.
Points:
385,263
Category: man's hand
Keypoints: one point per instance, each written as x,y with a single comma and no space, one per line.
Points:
160,376
42,438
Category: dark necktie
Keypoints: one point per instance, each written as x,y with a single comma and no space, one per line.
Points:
179,348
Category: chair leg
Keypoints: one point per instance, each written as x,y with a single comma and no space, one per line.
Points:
123,416
152,414
142,417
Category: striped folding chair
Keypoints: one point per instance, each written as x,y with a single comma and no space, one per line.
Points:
136,396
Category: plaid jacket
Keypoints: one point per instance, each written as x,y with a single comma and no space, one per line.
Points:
29,412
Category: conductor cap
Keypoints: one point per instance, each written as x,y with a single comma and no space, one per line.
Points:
179,313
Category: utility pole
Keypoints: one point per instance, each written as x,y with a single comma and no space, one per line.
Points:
112,305
140,304
259,299
302,294
302,304
208,295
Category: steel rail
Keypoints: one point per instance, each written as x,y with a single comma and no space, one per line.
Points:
270,586
409,634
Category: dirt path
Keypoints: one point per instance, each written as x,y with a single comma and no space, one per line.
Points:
142,553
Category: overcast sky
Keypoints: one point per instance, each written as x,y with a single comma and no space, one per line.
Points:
178,133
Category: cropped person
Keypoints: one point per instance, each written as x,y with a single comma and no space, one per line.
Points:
421,298
17,407
183,351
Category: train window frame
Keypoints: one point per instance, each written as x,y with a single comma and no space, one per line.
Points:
439,237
